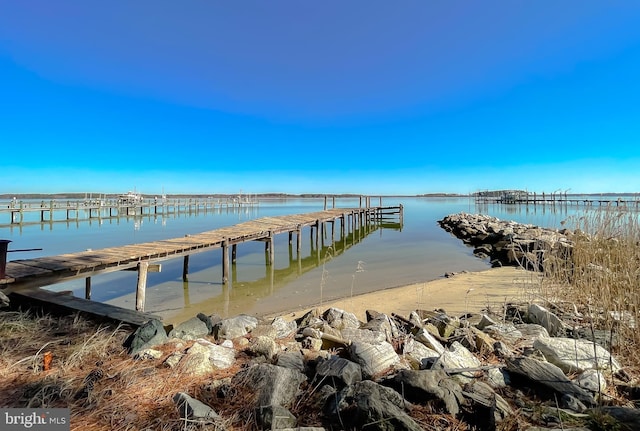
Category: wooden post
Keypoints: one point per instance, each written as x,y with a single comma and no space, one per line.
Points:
87,288
318,234
290,237
271,249
299,240
234,253
225,261
142,284
325,202
185,268
333,205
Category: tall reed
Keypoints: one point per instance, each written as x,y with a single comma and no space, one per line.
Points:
601,275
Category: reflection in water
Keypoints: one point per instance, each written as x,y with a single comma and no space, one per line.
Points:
239,296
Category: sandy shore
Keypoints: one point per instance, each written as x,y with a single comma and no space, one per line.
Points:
467,291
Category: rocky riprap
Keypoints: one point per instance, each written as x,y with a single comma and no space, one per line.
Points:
530,370
507,242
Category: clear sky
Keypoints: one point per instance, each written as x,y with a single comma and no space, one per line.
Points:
371,97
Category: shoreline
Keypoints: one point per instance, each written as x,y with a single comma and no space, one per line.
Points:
463,292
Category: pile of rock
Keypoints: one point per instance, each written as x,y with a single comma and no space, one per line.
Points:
332,371
508,242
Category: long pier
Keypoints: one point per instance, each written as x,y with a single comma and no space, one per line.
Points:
19,212
28,275
560,201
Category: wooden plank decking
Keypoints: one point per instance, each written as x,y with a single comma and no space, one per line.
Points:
27,274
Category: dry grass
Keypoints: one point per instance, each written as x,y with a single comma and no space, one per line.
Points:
91,374
600,280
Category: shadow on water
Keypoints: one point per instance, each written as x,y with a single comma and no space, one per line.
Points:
272,291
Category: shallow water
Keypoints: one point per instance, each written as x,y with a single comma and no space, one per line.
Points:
367,260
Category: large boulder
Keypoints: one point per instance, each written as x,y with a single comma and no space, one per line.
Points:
572,355
373,358
150,334
273,385
368,405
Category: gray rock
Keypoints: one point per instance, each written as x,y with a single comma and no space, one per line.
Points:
506,332
549,376
568,401
273,385
210,321
340,319
194,410
373,358
429,340
368,405
382,323
190,330
339,372
146,336
530,333
485,321
457,357
264,330
490,408
274,417
219,356
592,380
573,355
262,346
498,378
418,354
283,328
235,327
419,386
371,337
292,359
545,318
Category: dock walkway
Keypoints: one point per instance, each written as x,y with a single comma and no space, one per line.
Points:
24,275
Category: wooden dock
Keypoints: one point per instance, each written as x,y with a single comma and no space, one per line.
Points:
552,199
20,212
24,275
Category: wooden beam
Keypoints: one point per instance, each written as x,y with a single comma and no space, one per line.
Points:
152,267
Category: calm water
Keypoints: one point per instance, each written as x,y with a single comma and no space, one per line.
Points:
367,261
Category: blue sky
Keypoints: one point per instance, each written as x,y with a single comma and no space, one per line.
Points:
364,97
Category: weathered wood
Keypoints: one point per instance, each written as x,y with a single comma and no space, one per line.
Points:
142,285
72,303
153,267
87,288
225,261
185,268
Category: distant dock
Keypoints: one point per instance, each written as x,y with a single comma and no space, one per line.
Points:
520,197
17,212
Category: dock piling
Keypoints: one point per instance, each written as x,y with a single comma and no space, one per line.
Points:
142,284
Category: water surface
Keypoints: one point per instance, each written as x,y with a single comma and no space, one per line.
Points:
369,259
